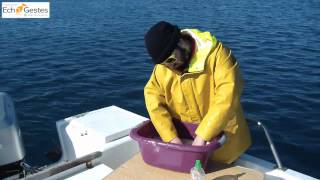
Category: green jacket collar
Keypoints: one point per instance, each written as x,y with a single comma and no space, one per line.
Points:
204,44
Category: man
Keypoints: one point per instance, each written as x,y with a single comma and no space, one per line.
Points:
195,79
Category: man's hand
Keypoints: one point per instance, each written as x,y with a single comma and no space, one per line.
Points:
198,141
176,141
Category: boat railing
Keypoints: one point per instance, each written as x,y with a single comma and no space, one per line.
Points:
87,160
271,144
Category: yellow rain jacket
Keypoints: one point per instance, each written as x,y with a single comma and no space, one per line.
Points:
208,95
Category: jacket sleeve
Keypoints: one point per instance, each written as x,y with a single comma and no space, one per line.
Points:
228,88
157,109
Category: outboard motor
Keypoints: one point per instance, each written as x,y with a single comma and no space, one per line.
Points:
12,151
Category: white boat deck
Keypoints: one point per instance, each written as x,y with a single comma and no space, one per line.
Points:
106,130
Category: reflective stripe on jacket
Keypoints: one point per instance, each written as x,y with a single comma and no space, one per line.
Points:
208,95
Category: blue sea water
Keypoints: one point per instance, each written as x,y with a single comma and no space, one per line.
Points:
90,54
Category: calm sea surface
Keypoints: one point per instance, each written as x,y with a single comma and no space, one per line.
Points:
90,54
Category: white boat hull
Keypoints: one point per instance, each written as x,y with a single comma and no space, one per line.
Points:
86,133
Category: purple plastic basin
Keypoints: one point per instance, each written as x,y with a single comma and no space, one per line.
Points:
172,156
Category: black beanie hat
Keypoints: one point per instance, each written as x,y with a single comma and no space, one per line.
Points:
161,40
